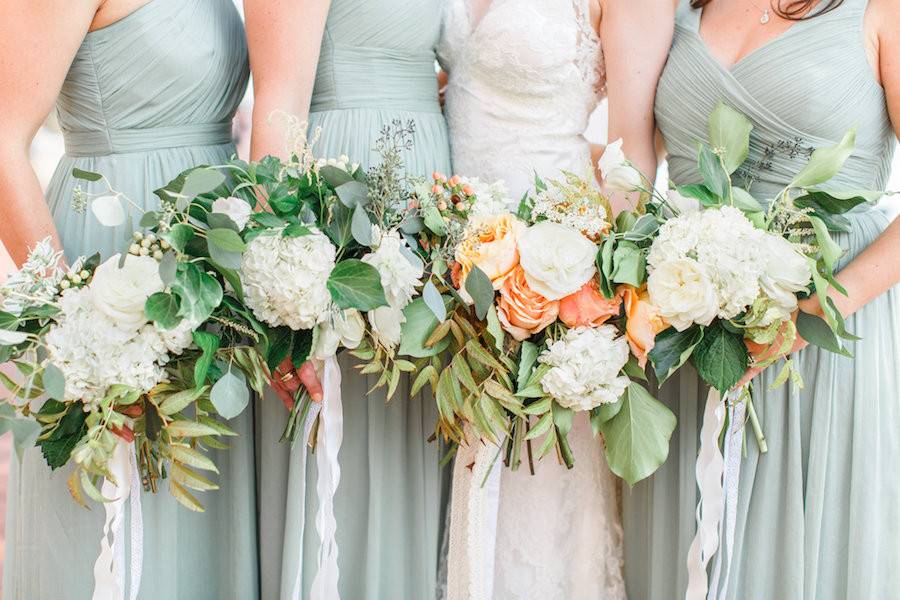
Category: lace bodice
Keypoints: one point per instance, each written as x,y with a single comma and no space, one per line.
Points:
524,81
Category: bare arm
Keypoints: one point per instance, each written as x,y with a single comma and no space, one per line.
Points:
284,37
37,46
636,35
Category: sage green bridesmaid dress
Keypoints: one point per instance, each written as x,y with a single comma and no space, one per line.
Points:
146,98
818,516
377,65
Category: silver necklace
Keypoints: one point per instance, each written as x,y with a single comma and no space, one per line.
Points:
766,15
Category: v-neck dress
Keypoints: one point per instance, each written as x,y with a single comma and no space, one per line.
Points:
818,516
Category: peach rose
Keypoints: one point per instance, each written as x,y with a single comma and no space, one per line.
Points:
588,307
492,246
643,322
522,311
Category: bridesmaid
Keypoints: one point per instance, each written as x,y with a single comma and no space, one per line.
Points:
351,67
817,517
143,90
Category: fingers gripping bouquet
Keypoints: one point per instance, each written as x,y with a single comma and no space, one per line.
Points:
726,271
527,330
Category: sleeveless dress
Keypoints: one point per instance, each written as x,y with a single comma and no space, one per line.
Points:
817,515
377,65
146,98
524,81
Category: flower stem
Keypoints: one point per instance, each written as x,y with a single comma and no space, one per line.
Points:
757,428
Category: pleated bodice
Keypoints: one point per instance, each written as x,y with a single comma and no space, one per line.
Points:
823,87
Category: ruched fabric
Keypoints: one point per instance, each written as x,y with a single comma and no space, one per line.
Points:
377,66
146,98
818,515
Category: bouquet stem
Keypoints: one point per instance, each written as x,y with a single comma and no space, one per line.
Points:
757,428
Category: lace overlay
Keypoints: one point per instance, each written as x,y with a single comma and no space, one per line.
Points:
524,81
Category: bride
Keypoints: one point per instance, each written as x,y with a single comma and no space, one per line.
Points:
524,78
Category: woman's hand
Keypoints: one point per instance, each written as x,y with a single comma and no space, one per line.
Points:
286,381
762,353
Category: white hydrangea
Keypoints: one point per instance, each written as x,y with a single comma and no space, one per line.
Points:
586,368
95,352
490,198
727,250
285,279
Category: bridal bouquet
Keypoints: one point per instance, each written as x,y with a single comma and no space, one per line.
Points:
725,270
144,347
527,328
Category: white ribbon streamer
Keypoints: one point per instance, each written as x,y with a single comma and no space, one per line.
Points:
718,478
709,470
484,504
330,438
109,569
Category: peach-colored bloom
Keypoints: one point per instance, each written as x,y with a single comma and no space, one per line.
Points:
643,322
492,246
522,311
588,307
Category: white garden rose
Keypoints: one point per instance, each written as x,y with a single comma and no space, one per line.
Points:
386,322
586,367
285,279
786,273
236,209
344,328
618,174
683,293
557,259
120,294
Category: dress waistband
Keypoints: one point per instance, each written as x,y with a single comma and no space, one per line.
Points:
380,78
123,141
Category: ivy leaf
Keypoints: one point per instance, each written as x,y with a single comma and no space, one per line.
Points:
58,446
163,308
355,284
721,357
480,288
199,292
230,395
630,264
637,437
179,236
672,349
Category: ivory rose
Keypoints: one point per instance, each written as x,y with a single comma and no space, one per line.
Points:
120,293
557,259
492,246
588,307
522,311
643,321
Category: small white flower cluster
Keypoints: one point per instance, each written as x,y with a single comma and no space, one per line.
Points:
715,263
285,278
147,245
103,337
586,367
36,283
490,198
401,273
342,163
582,215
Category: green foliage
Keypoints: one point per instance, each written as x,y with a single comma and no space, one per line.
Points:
721,357
480,288
355,284
65,427
672,349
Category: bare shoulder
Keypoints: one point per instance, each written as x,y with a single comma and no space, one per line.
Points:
882,35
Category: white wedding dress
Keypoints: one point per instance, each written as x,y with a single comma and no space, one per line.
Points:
524,81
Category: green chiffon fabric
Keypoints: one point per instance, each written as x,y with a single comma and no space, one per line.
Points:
146,98
377,65
817,515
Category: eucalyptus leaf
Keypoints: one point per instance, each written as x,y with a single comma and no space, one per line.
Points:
54,382
109,211
334,176
434,301
361,226
420,323
230,395
353,194
167,268
480,288
201,181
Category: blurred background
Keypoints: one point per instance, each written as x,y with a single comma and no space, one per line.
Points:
47,148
